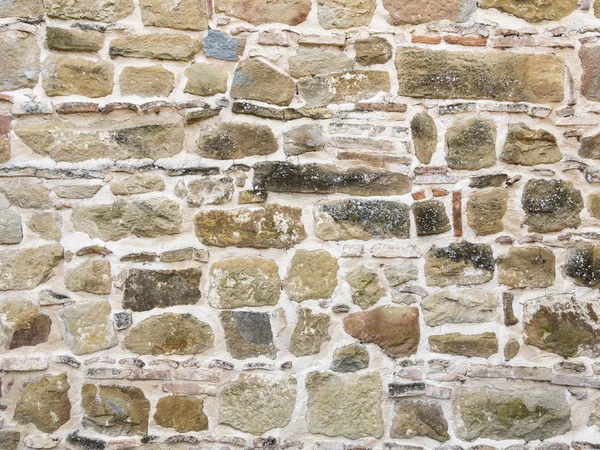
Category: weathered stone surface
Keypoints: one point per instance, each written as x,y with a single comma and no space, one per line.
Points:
344,405
590,80
350,358
180,15
170,334
430,217
183,413
528,413
22,324
461,263
273,226
551,205
593,205
311,275
419,418
424,134
248,334
529,147
257,12
373,50
422,11
345,13
138,184
471,144
527,267
88,326
100,10
65,75
279,176
77,191
583,265
149,289
256,80
595,416
533,10
310,61
511,349
310,333
590,147
149,81
205,79
244,281
210,191
562,324
21,60
26,194
494,75
365,287
33,9
71,40
343,87
459,306
303,139
394,328
47,224
473,345
361,219
45,403
235,140
138,137
92,276
257,404
219,45
26,268
9,439
11,228
115,410
485,211
177,47
151,217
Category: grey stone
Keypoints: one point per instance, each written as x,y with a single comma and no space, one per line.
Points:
350,358
248,334
430,217
219,45
210,191
21,60
11,228
303,139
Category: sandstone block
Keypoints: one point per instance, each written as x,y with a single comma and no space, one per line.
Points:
461,263
311,61
350,358
138,184
533,11
235,140
183,413
528,267
424,134
92,276
345,13
422,11
22,324
65,75
47,224
176,47
256,80
529,147
551,205
26,268
205,79
150,81
248,334
258,12
430,217
100,10
311,275
181,15
462,306
310,333
474,345
88,326
485,211
471,144
21,60
71,40
419,418
365,287
11,228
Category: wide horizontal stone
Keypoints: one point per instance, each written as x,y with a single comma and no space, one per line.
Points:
26,194
88,326
256,80
258,12
345,13
64,75
92,276
551,205
235,140
72,40
248,334
26,268
492,75
303,139
311,61
149,81
314,178
180,15
528,147
462,306
100,10
422,11
23,325
312,275
20,67
472,345
273,226
33,9
527,267
535,10
460,263
343,87
138,184
177,47
138,137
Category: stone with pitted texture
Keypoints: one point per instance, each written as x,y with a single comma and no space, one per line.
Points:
248,334
460,263
88,326
21,60
311,275
528,267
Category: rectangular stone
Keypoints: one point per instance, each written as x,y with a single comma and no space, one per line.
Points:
101,373
396,390
212,376
188,389
24,364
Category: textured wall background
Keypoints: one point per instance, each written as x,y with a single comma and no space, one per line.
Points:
296,224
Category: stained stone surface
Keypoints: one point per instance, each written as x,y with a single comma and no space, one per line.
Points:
534,10
257,12
365,287
236,140
419,418
92,276
471,144
430,217
481,345
529,267
26,268
459,306
21,65
345,13
311,275
310,333
88,326
529,147
461,263
183,413
424,134
350,358
248,334
486,210
422,11
23,324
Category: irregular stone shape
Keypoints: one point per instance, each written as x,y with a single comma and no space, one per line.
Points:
138,137
47,224
425,73
258,12
310,61
551,205
590,147
461,263
150,217
562,324
303,139
219,45
11,228
424,134
430,217
22,324
248,334
279,176
583,265
33,9
210,191
27,194
88,326
343,87
9,440
529,147
138,184
350,358
272,226
311,275
511,349
20,67
64,75
528,413
419,418
345,13
485,211
115,410
474,345
422,11
471,144
533,10
180,14
527,267
71,40
590,80
257,403
235,140
365,287
149,289
373,50
183,413
170,334
491,180
176,47
593,205
149,81
45,403
205,79
311,332
595,416
100,10
463,306
256,80
394,328
26,268
75,192
344,405
244,281
92,276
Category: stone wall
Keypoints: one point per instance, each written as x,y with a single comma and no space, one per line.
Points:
299,224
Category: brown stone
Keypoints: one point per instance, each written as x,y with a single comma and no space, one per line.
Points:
345,13
22,324
471,144
421,11
424,134
343,87
149,81
529,147
310,333
71,40
533,10
373,50
183,413
365,287
310,61
476,345
205,79
177,47
47,224
9,439
485,211
235,140
256,80
511,349
100,10
180,15
26,194
20,67
590,80
88,326
26,268
248,334
33,9
593,204
527,267
92,276
64,75
350,358
419,418
258,12
590,147
311,275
